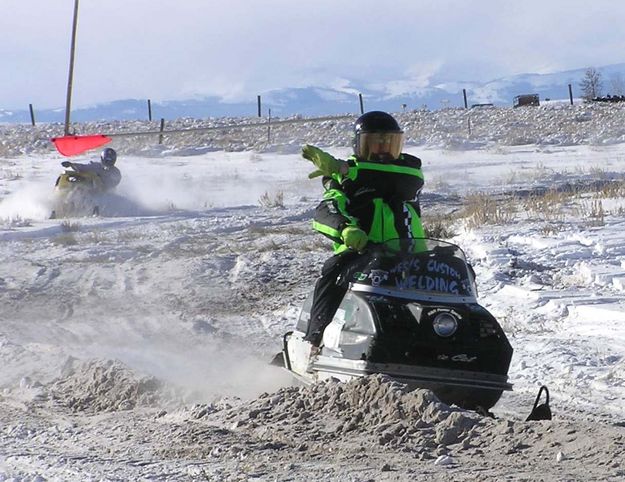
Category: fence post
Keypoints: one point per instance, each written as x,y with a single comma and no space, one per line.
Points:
149,110
362,107
160,136
464,93
259,111
32,114
571,93
269,128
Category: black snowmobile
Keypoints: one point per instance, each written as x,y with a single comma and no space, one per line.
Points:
410,312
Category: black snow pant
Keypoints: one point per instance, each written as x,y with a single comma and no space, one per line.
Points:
329,292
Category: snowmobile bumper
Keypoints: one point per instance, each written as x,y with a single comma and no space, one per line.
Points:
413,376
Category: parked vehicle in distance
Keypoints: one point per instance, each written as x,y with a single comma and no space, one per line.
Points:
526,99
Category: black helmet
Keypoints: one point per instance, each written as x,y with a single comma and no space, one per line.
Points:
108,157
377,136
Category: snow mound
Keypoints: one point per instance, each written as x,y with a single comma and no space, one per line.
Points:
103,386
375,413
375,408
370,413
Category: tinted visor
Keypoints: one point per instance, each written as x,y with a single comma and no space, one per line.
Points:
379,145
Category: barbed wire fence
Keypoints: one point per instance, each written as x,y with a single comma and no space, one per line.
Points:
449,128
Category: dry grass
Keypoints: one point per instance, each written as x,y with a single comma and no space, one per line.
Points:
296,229
93,237
615,189
592,211
439,227
16,222
551,229
552,206
269,201
618,211
68,226
10,175
481,209
438,183
65,239
597,172
539,172
316,243
548,206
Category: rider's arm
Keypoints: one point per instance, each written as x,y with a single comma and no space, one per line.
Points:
79,167
331,215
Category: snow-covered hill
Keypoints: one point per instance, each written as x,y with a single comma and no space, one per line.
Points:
135,345
314,101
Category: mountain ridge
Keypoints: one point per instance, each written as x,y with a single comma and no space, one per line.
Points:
314,101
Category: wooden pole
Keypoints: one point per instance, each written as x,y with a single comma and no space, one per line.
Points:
362,107
269,128
32,114
259,111
571,93
464,93
160,137
70,78
149,110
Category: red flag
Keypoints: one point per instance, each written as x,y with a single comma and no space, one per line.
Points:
73,145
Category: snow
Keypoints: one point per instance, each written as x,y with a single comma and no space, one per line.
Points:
135,345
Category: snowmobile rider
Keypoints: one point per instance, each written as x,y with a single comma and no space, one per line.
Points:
105,170
372,196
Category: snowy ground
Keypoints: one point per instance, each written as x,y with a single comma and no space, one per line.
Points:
134,346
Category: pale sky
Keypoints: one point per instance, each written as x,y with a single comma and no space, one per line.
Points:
237,49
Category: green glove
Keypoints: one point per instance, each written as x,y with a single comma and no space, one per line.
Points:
354,238
326,164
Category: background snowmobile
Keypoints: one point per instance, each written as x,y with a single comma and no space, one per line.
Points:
80,188
76,194
410,312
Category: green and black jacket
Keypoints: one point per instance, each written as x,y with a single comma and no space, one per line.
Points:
381,198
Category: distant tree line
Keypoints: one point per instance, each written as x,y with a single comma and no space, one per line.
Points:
591,86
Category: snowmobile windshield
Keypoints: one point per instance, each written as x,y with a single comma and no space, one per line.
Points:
415,269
